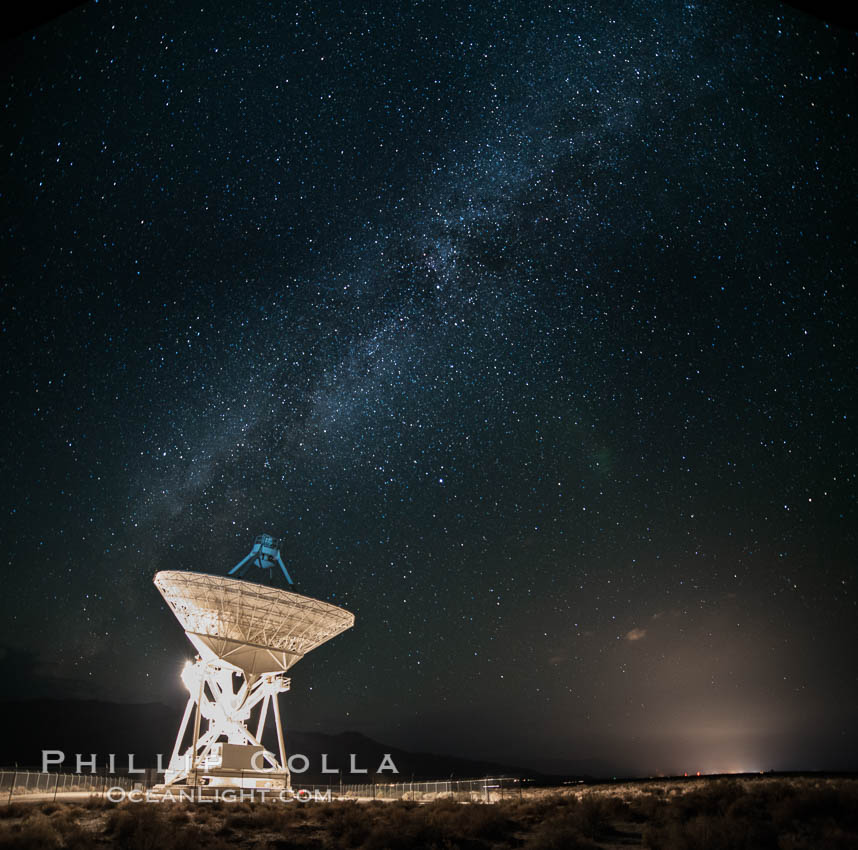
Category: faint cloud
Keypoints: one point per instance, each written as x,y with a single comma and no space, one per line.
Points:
636,634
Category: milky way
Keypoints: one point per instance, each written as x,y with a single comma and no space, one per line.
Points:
528,329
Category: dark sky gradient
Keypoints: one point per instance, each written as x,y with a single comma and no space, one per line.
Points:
531,329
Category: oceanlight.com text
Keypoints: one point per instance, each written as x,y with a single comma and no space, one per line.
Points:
214,795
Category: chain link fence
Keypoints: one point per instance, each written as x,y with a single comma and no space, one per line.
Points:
16,783
487,790
466,790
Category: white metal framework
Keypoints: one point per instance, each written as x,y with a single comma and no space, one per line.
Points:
247,636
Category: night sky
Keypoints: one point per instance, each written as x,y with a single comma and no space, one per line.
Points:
530,328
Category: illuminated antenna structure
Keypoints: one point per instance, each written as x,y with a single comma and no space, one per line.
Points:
247,636
265,554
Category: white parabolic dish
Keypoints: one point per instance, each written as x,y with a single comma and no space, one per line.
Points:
255,628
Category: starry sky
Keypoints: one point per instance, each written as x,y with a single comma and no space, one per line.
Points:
530,328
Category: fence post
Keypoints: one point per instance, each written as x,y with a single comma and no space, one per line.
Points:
12,786
56,786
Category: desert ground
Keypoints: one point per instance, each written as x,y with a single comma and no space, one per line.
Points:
782,813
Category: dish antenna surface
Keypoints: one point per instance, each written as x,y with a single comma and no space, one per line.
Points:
247,636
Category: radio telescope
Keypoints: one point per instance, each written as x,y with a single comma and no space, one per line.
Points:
247,636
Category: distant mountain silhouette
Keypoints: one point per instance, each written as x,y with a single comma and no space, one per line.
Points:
369,754
91,726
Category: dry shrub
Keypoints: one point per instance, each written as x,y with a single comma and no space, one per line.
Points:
560,833
79,839
831,837
349,824
712,832
596,814
149,826
64,821
752,806
653,790
709,800
448,819
74,836
13,810
290,843
297,813
568,822
285,819
485,822
762,815
395,829
617,807
139,826
94,801
815,804
648,808
47,825
201,813
267,816
441,824
33,833
543,808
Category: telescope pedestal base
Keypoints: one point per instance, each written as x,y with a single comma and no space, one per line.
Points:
228,754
